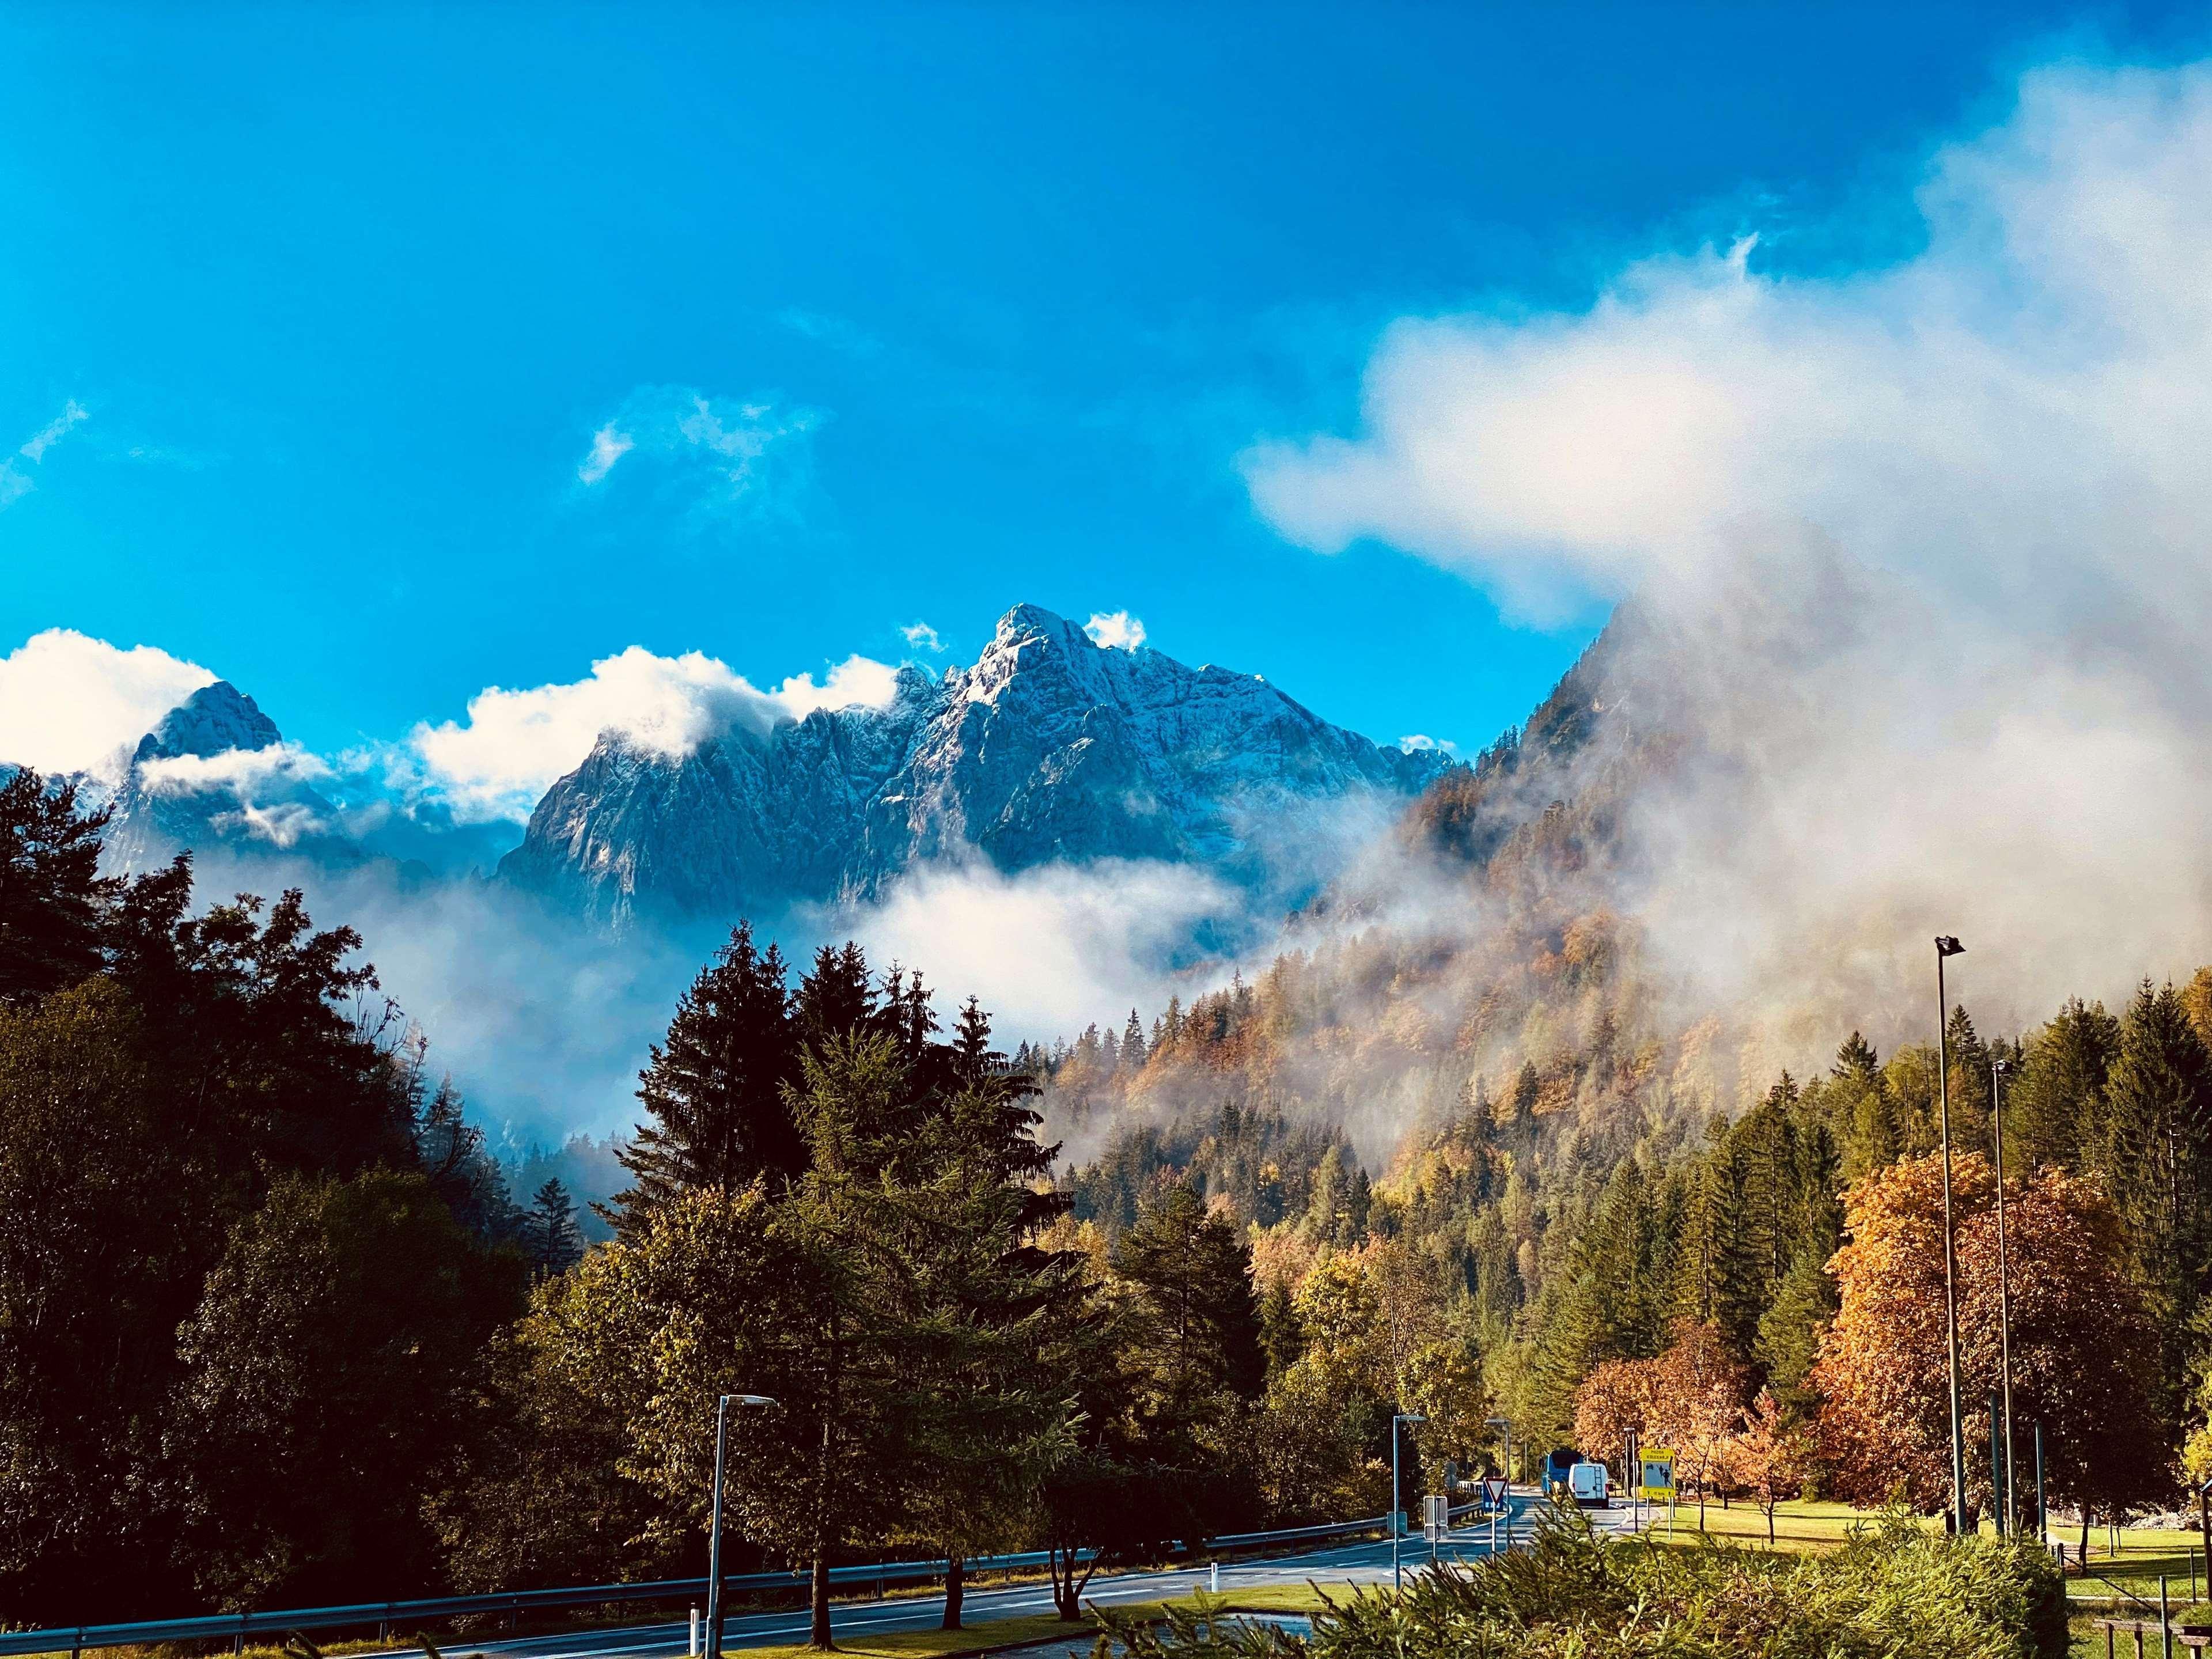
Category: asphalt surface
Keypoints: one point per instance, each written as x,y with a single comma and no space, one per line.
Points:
1363,1563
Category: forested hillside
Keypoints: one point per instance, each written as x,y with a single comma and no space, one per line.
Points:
1579,1164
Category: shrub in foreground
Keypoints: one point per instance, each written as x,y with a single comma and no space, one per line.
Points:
1892,1590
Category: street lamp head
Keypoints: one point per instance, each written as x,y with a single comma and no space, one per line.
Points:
1411,1417
747,1399
1948,947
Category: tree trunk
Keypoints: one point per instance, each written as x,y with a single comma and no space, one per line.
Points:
953,1565
1067,1598
817,1629
2085,1534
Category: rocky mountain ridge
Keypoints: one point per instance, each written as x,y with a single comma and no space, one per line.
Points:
1051,747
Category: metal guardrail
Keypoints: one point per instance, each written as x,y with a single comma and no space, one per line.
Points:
238,1627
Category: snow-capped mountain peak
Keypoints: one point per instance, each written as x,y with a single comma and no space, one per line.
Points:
1050,747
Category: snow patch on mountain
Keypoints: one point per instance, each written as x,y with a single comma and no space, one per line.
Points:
1051,747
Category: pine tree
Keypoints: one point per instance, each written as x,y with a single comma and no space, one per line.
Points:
52,897
1280,1337
902,1009
1195,1273
1133,1044
2154,1148
553,1241
2052,1104
1521,1109
714,1088
974,1058
835,997
1723,1259
1969,1080
1864,1112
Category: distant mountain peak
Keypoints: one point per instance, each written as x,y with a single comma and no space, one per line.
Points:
1051,747
214,720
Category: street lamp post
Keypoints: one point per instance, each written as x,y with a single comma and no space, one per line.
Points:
1997,1069
714,1529
1505,1470
1397,1499
1948,947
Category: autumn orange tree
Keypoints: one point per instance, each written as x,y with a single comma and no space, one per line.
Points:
1701,1390
1617,1399
2084,1349
1690,1400
1767,1455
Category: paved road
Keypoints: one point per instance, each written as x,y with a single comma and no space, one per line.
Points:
1366,1563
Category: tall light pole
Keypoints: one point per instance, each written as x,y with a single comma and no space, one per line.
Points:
1397,1501
1505,1472
1948,947
1997,1069
715,1530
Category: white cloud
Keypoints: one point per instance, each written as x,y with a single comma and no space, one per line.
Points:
280,823
922,636
720,456
14,482
1415,743
69,702
54,431
858,680
1928,543
515,744
1980,410
248,774
1115,629
1047,949
608,446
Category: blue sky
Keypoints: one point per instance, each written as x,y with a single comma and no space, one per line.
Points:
895,315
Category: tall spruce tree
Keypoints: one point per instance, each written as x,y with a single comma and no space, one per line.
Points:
1204,1337
834,996
2052,1104
714,1089
552,1239
53,897
2153,1147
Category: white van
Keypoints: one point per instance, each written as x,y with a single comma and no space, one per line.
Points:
1587,1484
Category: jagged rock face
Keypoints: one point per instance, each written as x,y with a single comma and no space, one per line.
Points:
159,812
1050,748
214,719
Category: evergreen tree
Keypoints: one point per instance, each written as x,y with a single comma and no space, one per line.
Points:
1723,1259
1864,1115
974,1058
2154,1148
714,1088
1969,1080
1202,1339
554,1242
2054,1100
902,1009
1520,1110
1280,1338
1133,1044
834,996
53,899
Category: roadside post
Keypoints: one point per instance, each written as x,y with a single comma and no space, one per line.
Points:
1397,1499
714,1534
1655,1476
